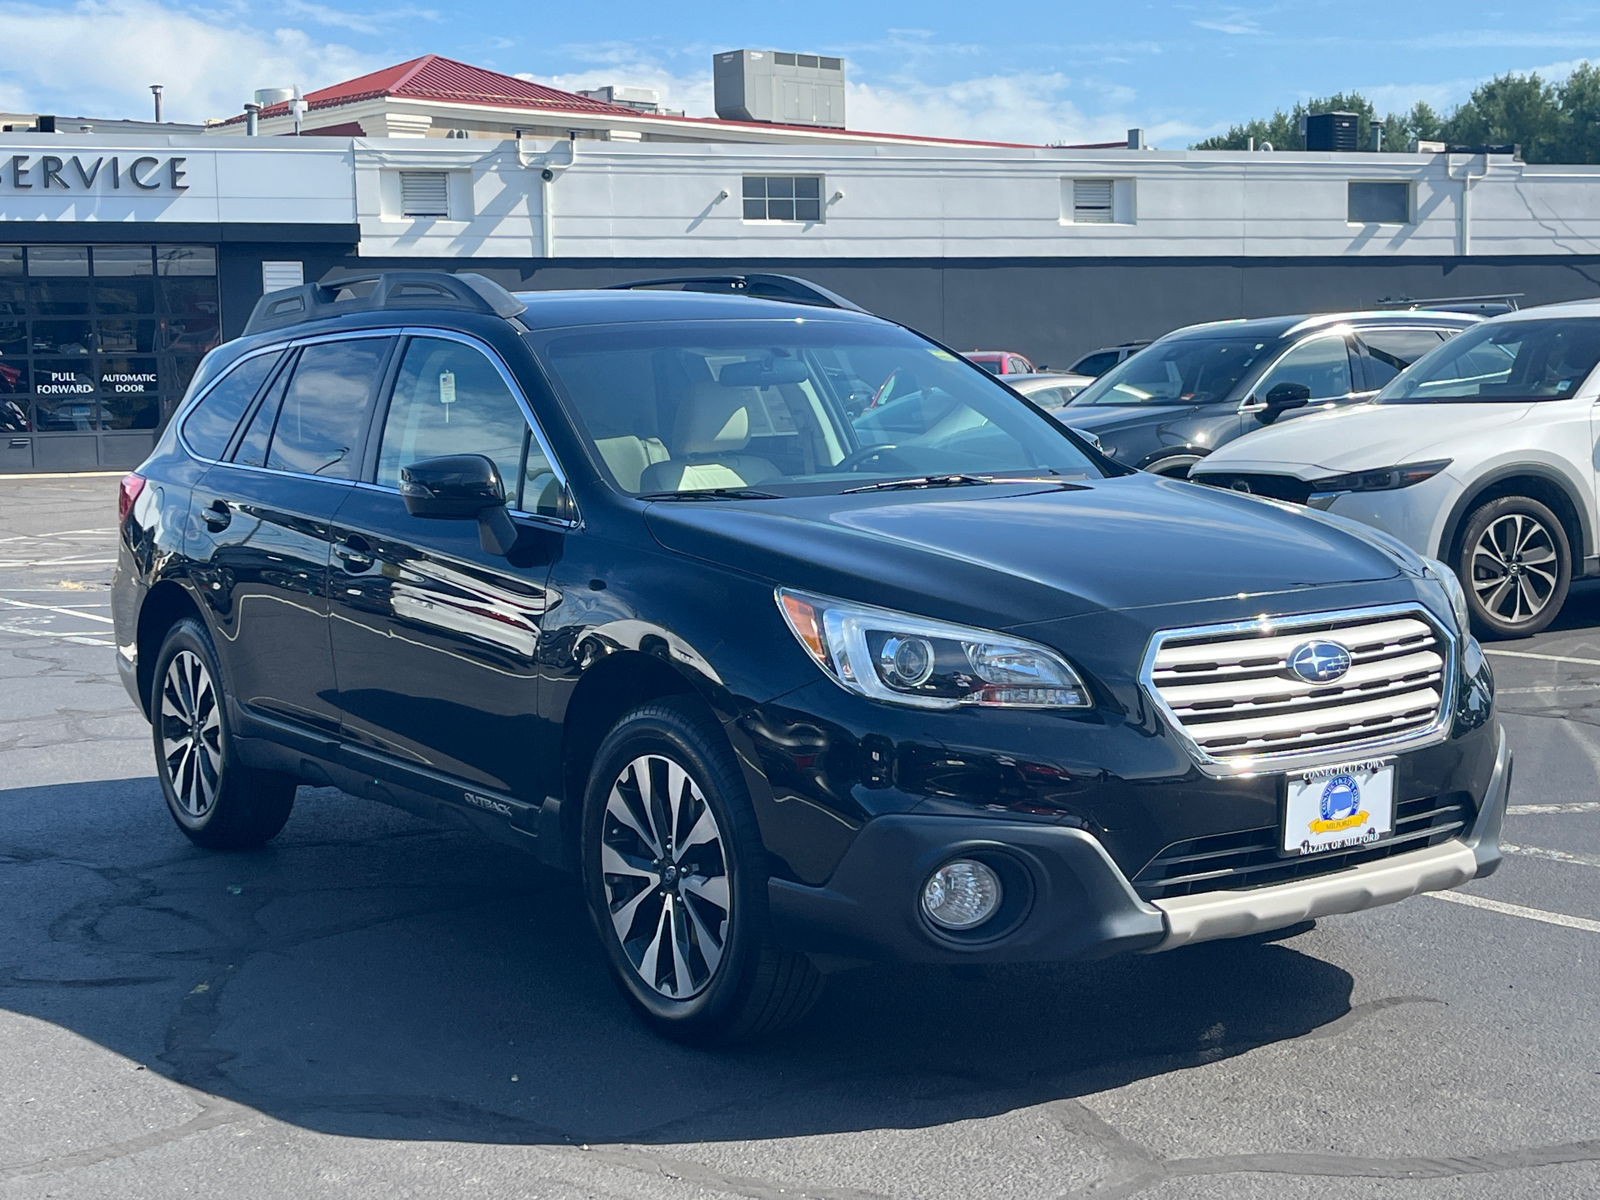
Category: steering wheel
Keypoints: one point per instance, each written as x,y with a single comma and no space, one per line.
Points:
853,460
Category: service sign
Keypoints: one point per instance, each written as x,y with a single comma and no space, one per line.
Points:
94,172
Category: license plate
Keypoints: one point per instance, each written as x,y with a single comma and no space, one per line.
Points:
1338,808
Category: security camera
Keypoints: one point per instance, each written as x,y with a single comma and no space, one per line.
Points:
547,174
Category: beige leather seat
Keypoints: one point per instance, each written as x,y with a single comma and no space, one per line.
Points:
712,427
628,456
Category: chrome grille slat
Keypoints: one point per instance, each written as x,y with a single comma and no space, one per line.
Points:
1230,691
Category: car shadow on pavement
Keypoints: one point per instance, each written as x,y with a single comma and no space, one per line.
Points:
370,974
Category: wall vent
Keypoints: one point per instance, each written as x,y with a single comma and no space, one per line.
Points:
424,193
1093,201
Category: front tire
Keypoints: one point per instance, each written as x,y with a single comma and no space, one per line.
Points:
1515,565
674,879
217,801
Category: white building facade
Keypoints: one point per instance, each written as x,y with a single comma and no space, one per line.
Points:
1051,252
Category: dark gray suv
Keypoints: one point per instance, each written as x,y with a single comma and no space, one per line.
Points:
1172,403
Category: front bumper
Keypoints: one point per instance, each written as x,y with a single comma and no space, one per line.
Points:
1079,905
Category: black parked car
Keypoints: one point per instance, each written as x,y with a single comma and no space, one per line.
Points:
1169,405
613,576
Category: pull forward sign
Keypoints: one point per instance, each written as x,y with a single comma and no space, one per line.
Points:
47,171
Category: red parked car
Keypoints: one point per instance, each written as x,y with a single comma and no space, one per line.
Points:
1000,362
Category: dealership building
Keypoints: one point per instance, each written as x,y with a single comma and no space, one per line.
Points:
125,254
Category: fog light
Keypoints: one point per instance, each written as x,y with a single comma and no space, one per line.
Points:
961,894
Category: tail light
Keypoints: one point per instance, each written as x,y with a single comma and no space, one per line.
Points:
132,485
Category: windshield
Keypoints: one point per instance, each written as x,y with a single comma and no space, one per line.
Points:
784,407
1511,360
1185,370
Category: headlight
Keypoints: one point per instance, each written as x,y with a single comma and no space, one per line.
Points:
1384,479
1446,579
907,659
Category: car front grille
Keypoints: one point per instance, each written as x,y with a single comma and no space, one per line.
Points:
1231,692
1250,858
1276,487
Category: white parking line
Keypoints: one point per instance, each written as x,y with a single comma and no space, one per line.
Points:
59,562
1585,662
1518,910
1532,810
66,612
77,639
1566,856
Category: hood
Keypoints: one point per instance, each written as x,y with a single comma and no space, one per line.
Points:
1107,418
1004,555
1362,438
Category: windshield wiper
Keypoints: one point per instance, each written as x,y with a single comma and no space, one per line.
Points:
721,493
920,481
1049,475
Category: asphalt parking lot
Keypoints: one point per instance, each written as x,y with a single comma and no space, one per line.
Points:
373,1006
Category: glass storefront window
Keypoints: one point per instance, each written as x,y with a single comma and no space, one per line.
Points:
102,337
113,261
56,262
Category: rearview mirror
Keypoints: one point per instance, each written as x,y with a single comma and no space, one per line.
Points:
461,487
754,373
1284,397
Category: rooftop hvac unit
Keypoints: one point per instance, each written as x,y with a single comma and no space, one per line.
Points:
778,88
1333,131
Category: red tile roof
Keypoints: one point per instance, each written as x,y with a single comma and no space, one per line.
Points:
434,78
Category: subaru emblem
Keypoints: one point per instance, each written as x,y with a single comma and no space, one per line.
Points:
1319,662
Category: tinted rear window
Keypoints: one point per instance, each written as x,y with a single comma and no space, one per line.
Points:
324,411
210,426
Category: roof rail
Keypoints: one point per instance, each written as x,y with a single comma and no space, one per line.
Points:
787,288
383,290
1499,302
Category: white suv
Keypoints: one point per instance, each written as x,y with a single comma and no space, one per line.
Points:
1482,453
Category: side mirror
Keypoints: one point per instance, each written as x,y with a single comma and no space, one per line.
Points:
461,487
1284,397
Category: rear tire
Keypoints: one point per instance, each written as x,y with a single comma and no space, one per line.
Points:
217,801
673,872
1515,565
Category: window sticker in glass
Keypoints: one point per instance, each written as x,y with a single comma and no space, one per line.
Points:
450,399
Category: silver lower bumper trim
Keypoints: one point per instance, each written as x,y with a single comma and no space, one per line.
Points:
1213,915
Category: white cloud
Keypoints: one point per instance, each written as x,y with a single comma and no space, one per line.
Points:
98,58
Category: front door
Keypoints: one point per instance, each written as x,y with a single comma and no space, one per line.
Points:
436,640
261,528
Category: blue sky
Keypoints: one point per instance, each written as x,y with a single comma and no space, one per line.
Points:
1007,69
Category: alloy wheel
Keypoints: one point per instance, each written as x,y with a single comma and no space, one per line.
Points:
1515,568
191,733
666,876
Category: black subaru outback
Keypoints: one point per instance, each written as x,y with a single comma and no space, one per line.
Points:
615,576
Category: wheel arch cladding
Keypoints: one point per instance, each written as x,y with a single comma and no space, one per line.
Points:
609,688
166,604
1546,487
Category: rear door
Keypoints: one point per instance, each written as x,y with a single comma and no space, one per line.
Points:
435,639
1388,350
261,525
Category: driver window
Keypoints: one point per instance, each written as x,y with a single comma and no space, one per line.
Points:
1321,364
450,399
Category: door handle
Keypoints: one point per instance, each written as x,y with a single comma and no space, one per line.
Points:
217,514
355,558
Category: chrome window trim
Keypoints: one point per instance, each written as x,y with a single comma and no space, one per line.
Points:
280,347
389,332
1273,763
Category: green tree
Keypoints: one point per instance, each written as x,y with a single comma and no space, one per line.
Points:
1523,109
1553,123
